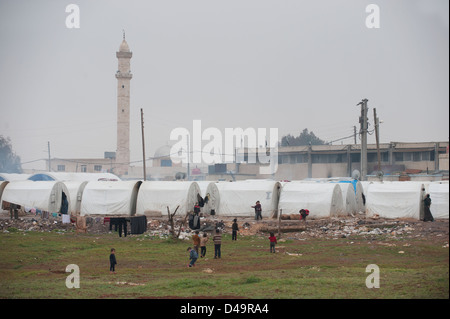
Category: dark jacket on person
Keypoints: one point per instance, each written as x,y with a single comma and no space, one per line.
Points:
112,259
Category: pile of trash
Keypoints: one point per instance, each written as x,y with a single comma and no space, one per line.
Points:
94,225
31,224
331,228
343,228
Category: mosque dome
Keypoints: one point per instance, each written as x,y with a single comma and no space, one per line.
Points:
163,151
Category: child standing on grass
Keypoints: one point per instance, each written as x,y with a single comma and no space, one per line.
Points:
217,244
203,242
235,229
273,242
112,261
193,256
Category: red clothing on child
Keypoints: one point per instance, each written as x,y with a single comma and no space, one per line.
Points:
273,239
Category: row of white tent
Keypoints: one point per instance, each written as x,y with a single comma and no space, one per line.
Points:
153,198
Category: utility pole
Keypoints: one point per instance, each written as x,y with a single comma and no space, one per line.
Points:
354,133
377,136
49,161
363,131
188,159
143,143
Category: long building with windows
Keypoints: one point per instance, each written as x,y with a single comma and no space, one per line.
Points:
325,161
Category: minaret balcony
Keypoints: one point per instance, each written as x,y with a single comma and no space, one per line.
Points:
120,75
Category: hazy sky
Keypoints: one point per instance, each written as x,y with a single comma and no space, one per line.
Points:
286,64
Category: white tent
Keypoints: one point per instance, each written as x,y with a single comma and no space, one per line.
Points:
237,198
75,189
155,196
395,199
62,176
210,189
348,198
321,199
360,197
10,177
110,198
2,187
44,195
439,199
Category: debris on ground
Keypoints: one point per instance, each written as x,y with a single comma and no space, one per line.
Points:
291,229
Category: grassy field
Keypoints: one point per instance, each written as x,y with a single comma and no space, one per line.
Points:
33,265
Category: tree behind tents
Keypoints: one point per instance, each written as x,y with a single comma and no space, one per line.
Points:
9,161
305,138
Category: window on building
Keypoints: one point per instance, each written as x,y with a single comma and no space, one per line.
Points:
97,168
320,158
407,157
283,159
373,157
425,156
61,168
301,158
166,163
292,159
398,156
356,157
83,168
335,158
416,156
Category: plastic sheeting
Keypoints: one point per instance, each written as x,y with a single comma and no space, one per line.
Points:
210,189
42,195
236,198
321,199
348,198
155,196
439,199
395,199
2,187
75,189
360,197
110,198
61,176
11,177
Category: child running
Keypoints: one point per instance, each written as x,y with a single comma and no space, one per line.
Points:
193,256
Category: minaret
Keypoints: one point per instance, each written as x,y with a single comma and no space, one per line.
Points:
123,76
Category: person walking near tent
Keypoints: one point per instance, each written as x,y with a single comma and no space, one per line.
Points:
193,256
203,242
196,217
217,239
258,210
273,242
196,240
427,212
112,261
234,229
303,214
